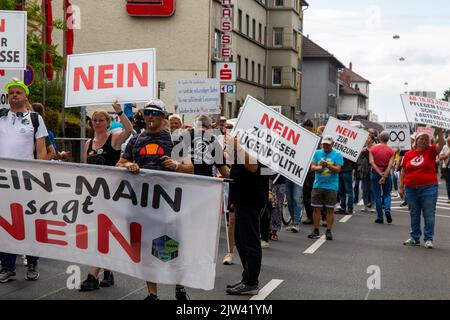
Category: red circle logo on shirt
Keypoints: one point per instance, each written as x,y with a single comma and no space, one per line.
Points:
417,161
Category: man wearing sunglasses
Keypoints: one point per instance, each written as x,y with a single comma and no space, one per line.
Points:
18,139
152,149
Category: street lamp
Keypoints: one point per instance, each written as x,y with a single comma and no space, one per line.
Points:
161,87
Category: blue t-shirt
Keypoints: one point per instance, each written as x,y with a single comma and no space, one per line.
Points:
327,179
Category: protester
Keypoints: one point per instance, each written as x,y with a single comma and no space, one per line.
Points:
362,176
160,159
294,194
21,133
327,164
445,158
278,188
381,159
104,149
247,194
308,184
346,188
419,183
176,123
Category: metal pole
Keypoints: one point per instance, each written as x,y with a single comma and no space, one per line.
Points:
82,132
44,53
63,111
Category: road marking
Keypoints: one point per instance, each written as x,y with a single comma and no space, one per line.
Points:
346,218
268,288
316,245
132,292
51,293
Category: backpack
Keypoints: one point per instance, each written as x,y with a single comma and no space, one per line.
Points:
34,121
362,166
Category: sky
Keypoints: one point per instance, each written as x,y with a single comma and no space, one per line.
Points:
361,32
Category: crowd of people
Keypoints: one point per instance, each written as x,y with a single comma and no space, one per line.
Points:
255,202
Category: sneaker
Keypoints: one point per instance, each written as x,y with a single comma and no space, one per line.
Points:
264,244
314,235
379,221
108,279
181,294
372,210
7,275
428,244
295,228
340,211
307,221
388,218
228,259
328,235
90,284
350,212
411,242
24,260
234,285
32,273
243,289
289,227
365,210
403,204
151,298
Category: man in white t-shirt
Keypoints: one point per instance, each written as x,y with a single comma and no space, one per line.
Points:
18,140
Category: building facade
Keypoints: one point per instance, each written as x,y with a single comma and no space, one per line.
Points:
320,82
266,44
354,93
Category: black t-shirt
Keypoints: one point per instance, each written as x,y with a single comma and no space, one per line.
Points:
247,188
205,151
146,149
106,155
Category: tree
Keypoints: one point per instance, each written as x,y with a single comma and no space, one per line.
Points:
446,95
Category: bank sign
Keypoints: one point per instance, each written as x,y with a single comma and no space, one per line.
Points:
151,8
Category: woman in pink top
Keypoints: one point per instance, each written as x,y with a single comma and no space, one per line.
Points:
381,158
419,181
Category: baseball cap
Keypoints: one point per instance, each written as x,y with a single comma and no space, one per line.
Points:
18,83
327,140
157,105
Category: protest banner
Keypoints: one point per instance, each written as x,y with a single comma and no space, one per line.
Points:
104,77
6,76
158,226
428,131
399,135
348,139
13,39
275,141
198,96
426,111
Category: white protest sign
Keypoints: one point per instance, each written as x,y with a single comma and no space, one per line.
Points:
157,226
6,76
13,39
198,96
104,77
427,111
348,139
275,141
399,136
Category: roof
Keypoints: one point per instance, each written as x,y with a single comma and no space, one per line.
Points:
349,76
310,49
345,89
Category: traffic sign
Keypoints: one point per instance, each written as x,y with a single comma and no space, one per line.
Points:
28,75
227,88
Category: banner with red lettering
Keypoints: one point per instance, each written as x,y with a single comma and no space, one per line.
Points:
104,77
13,39
348,139
275,141
427,111
157,226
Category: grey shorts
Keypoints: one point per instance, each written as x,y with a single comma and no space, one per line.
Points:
323,198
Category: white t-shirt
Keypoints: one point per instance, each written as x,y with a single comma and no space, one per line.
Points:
16,136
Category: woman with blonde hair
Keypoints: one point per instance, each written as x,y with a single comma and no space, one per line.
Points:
104,149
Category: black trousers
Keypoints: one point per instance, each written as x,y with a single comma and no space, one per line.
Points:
307,190
248,242
265,223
